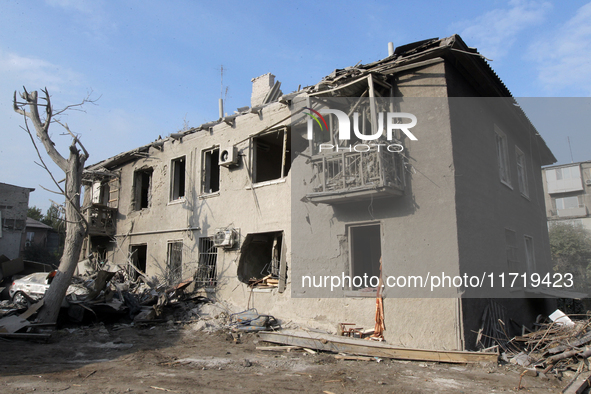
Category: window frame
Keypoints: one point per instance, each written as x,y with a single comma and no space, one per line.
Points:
207,258
530,254
285,160
512,251
138,182
579,202
205,166
174,193
522,179
352,291
174,276
502,148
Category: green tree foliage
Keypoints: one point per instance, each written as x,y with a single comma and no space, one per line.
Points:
35,213
570,246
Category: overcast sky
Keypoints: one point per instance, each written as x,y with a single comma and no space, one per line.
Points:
156,66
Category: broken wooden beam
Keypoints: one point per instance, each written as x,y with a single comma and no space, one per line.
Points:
25,335
277,348
362,347
578,386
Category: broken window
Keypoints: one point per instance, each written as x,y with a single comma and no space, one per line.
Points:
175,262
210,171
271,155
143,188
177,189
366,251
100,193
263,260
138,255
206,275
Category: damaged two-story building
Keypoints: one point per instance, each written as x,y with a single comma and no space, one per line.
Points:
248,205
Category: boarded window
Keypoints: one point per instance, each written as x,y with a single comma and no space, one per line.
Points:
271,156
177,187
366,251
206,275
263,255
210,171
143,188
175,262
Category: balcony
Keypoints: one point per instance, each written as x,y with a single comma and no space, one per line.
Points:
101,220
342,177
572,212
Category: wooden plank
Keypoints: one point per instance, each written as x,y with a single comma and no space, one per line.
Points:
32,309
13,323
363,347
579,386
16,335
283,265
354,358
277,348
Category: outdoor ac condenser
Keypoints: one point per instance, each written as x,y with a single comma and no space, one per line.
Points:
229,156
225,238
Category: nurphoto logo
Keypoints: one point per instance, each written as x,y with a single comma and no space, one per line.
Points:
344,129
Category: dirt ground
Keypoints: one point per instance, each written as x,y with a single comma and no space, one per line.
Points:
180,359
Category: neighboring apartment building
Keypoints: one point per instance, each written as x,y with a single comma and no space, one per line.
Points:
40,235
248,196
567,189
14,203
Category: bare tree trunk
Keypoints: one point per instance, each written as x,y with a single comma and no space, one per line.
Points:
76,225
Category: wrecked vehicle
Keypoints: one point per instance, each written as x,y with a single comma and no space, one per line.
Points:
31,288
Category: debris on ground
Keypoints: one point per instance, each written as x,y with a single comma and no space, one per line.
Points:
559,348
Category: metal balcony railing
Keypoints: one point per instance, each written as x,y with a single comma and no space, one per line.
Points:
101,219
345,175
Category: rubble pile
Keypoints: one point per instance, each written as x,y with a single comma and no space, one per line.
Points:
116,297
560,347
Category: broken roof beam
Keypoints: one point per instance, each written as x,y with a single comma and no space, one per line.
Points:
273,94
231,119
209,125
257,109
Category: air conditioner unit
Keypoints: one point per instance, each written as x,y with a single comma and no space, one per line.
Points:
229,156
588,182
225,238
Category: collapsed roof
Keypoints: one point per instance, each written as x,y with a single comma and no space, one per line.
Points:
346,83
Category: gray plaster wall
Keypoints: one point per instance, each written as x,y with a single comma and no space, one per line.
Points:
419,231
14,202
486,206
